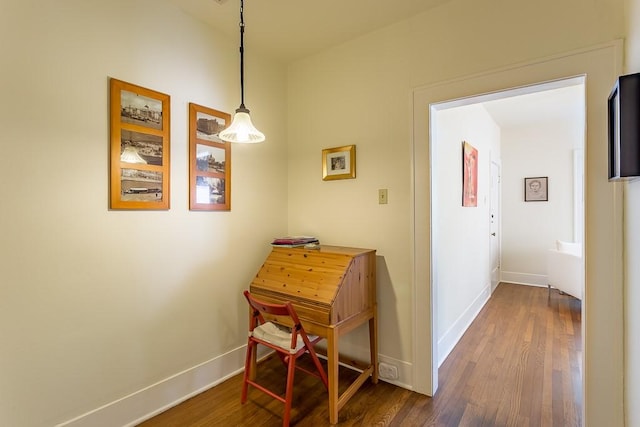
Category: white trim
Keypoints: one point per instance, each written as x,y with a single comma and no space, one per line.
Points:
578,195
451,337
143,404
524,278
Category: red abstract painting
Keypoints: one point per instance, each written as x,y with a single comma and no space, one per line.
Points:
469,175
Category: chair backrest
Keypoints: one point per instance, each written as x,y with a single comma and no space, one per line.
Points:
282,314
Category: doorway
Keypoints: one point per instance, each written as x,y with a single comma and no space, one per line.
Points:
532,131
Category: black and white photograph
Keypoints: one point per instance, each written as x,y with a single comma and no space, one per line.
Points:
210,190
140,148
338,164
536,189
210,159
140,110
141,185
208,127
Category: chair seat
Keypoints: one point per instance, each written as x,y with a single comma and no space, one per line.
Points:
278,335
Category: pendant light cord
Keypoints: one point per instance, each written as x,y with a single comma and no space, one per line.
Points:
242,55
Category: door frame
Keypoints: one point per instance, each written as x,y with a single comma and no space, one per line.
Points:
602,370
498,201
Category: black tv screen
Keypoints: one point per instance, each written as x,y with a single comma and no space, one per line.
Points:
624,128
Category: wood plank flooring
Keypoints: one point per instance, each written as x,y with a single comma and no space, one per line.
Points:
518,364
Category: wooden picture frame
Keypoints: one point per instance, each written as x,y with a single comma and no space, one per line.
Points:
209,160
139,147
339,163
536,189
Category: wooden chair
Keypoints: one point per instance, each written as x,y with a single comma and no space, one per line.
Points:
267,327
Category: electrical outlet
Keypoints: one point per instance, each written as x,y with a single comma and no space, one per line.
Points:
387,371
382,196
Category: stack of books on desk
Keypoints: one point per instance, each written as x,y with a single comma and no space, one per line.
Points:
294,241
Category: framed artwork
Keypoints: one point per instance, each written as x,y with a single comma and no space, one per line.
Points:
139,147
536,189
339,163
469,175
209,160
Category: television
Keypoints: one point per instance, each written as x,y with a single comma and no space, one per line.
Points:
623,109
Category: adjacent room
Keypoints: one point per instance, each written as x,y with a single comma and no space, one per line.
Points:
129,233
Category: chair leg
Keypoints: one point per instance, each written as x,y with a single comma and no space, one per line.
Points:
319,368
291,370
247,371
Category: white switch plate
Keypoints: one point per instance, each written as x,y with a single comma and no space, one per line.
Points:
382,196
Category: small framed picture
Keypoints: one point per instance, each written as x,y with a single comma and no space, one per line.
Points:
536,189
339,163
139,147
209,160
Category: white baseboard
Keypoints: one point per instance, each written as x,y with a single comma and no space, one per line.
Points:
524,278
156,398
143,404
451,337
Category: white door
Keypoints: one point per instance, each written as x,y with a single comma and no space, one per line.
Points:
494,228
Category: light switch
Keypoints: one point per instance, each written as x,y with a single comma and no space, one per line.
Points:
382,196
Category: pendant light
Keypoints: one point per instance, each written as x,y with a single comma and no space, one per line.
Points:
241,129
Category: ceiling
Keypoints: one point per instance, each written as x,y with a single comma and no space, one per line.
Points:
564,104
293,29
540,104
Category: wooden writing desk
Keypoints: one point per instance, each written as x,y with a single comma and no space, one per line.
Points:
333,290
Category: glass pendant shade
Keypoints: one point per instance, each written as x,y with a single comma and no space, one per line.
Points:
241,129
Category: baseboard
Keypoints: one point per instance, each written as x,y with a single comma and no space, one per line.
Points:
154,399
455,332
524,278
144,404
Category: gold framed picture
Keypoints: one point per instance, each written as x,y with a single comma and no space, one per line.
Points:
339,163
139,147
209,160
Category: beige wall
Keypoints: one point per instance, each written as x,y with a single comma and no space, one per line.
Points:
632,243
360,93
98,304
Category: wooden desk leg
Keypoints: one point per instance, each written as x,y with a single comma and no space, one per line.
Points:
332,374
373,344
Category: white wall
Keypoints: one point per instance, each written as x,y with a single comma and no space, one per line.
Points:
98,304
529,229
632,244
461,264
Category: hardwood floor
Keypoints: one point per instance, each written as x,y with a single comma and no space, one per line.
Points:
518,364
